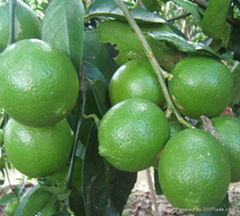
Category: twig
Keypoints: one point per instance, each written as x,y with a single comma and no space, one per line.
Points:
208,126
158,70
179,17
11,38
12,5
80,117
9,183
152,192
135,5
142,4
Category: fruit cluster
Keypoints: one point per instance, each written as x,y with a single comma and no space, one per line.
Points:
195,168
39,88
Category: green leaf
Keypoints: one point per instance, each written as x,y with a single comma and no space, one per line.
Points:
97,54
235,42
76,203
122,37
60,193
184,45
7,198
126,42
50,208
33,202
106,189
96,91
63,27
110,9
152,5
221,210
157,185
179,42
236,77
214,22
190,7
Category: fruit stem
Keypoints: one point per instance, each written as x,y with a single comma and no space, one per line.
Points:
12,5
152,59
92,116
80,116
152,192
9,183
142,4
208,126
136,3
179,17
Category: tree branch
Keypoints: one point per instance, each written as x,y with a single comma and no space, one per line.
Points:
152,59
12,5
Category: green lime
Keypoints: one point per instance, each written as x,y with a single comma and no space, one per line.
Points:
132,133
38,152
27,24
201,86
228,129
135,79
39,85
194,170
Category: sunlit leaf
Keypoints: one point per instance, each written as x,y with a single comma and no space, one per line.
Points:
109,8
63,27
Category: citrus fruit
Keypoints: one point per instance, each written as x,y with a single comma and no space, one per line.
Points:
11,207
228,129
38,152
132,133
135,79
201,86
194,170
39,85
27,24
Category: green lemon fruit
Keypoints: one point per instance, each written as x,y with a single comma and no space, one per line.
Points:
11,207
201,86
228,129
27,24
135,79
39,85
38,152
132,133
194,170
